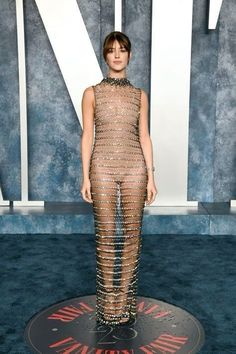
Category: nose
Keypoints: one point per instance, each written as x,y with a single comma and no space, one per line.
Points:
117,52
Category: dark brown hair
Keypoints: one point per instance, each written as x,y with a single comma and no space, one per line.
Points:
122,38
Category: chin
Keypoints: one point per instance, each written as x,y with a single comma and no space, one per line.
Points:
118,68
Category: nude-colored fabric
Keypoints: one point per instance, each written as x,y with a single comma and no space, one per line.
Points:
118,186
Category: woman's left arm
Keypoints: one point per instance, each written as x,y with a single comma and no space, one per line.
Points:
147,148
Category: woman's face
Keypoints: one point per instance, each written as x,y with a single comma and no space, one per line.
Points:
117,57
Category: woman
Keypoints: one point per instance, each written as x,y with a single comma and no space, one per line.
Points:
118,179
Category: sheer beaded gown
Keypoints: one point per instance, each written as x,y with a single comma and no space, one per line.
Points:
118,179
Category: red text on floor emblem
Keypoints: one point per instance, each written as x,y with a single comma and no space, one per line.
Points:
164,344
69,313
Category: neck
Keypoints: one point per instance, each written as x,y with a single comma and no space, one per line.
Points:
117,78
114,75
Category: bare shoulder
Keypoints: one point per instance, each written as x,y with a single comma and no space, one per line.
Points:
89,91
88,94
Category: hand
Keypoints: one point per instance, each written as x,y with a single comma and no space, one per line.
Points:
151,192
86,191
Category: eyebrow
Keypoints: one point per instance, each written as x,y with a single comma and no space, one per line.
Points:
122,46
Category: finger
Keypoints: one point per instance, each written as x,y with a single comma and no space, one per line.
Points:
151,198
88,196
85,197
87,200
148,201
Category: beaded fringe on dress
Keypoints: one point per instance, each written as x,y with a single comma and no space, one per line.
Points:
118,186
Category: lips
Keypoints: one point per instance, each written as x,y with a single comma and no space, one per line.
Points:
117,62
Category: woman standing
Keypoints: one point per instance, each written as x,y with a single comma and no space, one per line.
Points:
118,178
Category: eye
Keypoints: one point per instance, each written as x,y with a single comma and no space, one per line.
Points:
123,49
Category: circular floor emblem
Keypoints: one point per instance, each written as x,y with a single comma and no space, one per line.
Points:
71,327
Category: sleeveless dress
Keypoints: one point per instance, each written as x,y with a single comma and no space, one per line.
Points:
118,178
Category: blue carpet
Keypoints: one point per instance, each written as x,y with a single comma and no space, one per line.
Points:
196,273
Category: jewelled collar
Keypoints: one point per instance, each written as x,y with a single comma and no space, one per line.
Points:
123,81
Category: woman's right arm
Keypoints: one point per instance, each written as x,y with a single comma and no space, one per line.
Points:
87,137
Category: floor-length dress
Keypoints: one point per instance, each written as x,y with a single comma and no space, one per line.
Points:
118,177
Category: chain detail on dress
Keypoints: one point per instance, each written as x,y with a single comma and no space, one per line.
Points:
121,81
118,179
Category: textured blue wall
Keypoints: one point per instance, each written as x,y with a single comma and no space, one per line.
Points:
202,106
225,139
212,148
54,128
9,106
54,131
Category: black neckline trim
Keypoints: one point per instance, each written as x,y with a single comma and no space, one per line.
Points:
123,81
